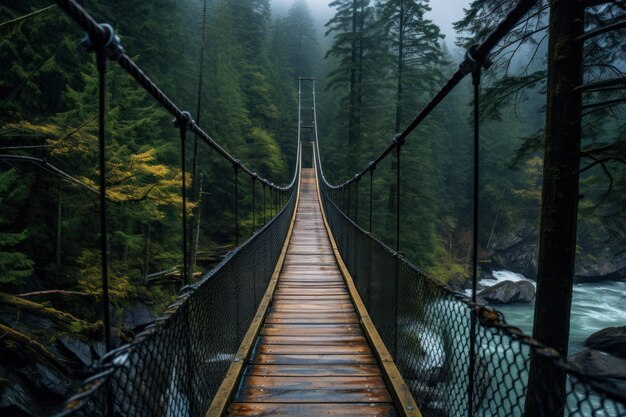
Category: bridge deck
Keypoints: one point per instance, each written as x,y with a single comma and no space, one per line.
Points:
311,357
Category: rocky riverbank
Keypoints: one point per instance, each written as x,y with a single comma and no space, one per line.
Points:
44,361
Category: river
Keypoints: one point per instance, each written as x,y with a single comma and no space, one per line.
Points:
595,306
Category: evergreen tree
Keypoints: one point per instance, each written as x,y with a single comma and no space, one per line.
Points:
301,41
419,57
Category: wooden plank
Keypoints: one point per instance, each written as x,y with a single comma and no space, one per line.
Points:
319,309
312,410
312,291
313,280
312,315
314,382
247,394
314,370
312,340
265,359
321,320
283,297
309,330
351,349
338,298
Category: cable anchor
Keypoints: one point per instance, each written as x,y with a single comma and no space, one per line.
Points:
183,121
473,64
111,48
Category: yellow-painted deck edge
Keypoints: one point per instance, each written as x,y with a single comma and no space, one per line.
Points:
395,383
221,401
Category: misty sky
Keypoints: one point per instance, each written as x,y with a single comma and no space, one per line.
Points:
443,13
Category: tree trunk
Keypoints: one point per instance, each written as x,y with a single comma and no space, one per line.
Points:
559,206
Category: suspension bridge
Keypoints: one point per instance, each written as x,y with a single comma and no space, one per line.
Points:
313,315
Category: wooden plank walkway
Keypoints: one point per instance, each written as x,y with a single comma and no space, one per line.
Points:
311,357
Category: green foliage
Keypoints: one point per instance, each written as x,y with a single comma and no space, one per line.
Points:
14,265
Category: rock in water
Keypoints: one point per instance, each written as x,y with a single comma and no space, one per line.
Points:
610,340
509,292
609,367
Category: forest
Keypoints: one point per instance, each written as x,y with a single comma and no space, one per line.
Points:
234,64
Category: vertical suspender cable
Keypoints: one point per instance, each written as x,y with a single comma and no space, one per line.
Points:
356,202
349,202
264,208
194,168
398,255
199,99
398,196
475,68
101,63
254,204
236,169
182,125
371,194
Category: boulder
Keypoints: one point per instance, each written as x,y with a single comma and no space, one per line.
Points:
77,349
98,350
52,382
596,363
459,283
137,316
610,340
604,267
516,250
509,292
15,399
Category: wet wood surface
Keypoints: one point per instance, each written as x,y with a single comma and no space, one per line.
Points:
311,357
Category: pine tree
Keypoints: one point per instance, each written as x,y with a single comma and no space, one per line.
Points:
417,49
